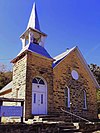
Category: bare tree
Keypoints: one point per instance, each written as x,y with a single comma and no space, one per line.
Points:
5,75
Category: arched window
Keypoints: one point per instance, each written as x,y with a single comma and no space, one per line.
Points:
84,100
35,81
38,80
67,97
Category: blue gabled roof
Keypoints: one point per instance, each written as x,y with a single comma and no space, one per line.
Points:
35,48
39,49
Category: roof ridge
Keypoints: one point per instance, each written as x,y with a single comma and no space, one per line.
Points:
62,55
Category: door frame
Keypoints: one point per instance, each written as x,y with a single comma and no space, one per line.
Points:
46,98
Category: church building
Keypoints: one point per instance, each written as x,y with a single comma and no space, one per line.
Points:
49,84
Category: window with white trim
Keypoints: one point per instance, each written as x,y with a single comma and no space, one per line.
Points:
67,97
84,100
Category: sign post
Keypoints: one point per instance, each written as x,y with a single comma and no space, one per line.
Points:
0,109
22,105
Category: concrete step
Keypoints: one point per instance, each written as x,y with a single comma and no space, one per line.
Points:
68,130
54,118
48,116
51,119
67,127
62,126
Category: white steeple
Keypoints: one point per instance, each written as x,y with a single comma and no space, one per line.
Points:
33,33
33,21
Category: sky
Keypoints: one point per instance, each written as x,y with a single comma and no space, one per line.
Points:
67,23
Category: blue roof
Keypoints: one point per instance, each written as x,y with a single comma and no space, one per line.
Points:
39,49
36,49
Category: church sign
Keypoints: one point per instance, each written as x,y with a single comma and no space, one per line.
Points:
7,111
11,111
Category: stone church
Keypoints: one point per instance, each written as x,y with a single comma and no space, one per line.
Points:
50,84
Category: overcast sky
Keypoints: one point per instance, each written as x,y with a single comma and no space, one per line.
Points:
67,23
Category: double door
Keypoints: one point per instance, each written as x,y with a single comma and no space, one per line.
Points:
38,100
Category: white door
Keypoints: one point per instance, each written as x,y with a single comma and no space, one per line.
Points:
39,104
39,99
34,103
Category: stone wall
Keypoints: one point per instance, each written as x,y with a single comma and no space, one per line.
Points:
63,78
19,78
38,65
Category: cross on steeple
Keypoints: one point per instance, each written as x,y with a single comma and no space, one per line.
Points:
33,33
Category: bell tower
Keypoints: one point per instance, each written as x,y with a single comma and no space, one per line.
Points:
33,33
33,62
